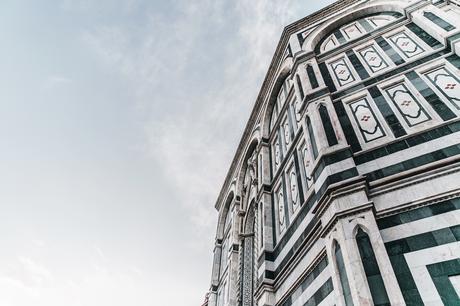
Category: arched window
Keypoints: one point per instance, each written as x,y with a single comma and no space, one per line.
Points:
439,21
299,85
356,29
261,225
312,138
280,101
371,268
225,243
312,77
343,275
327,125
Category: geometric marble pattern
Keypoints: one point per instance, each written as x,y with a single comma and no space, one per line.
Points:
373,59
277,153
365,118
293,188
447,83
330,43
296,107
304,156
419,260
287,133
407,105
352,31
281,210
406,45
342,72
380,20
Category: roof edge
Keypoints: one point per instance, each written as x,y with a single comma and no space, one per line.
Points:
282,44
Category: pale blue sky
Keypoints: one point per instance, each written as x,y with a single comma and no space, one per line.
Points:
118,122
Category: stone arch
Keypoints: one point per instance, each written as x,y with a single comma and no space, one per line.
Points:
325,29
225,210
251,148
362,226
283,73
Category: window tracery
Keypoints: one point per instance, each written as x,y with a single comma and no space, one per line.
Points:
356,29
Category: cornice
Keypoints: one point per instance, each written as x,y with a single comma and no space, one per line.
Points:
270,75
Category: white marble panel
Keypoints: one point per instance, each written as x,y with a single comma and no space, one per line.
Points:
299,269
448,219
314,286
417,262
334,168
455,281
409,153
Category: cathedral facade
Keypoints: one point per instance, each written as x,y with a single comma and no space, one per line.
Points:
345,187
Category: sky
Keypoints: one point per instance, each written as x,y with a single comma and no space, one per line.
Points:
118,123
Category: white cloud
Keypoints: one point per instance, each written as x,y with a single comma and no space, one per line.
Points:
194,144
55,81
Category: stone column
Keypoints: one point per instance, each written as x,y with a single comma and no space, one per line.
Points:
233,269
367,220
315,119
342,215
215,273
335,212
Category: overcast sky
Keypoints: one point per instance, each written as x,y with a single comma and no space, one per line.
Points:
118,123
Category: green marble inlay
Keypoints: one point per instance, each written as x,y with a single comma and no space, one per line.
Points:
306,283
396,250
440,273
320,294
427,38
343,276
419,213
439,21
414,162
430,96
371,268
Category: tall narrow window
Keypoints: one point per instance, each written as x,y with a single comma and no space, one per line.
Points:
225,242
261,225
327,125
312,138
439,21
343,276
299,85
312,77
371,268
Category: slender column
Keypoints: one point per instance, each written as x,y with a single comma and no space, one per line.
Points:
212,298
320,136
216,263
233,269
340,301
389,278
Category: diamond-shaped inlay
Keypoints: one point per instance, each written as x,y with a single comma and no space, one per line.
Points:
450,86
406,103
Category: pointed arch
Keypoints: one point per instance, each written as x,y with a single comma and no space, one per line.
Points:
327,125
284,72
225,211
340,264
240,182
371,268
322,32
